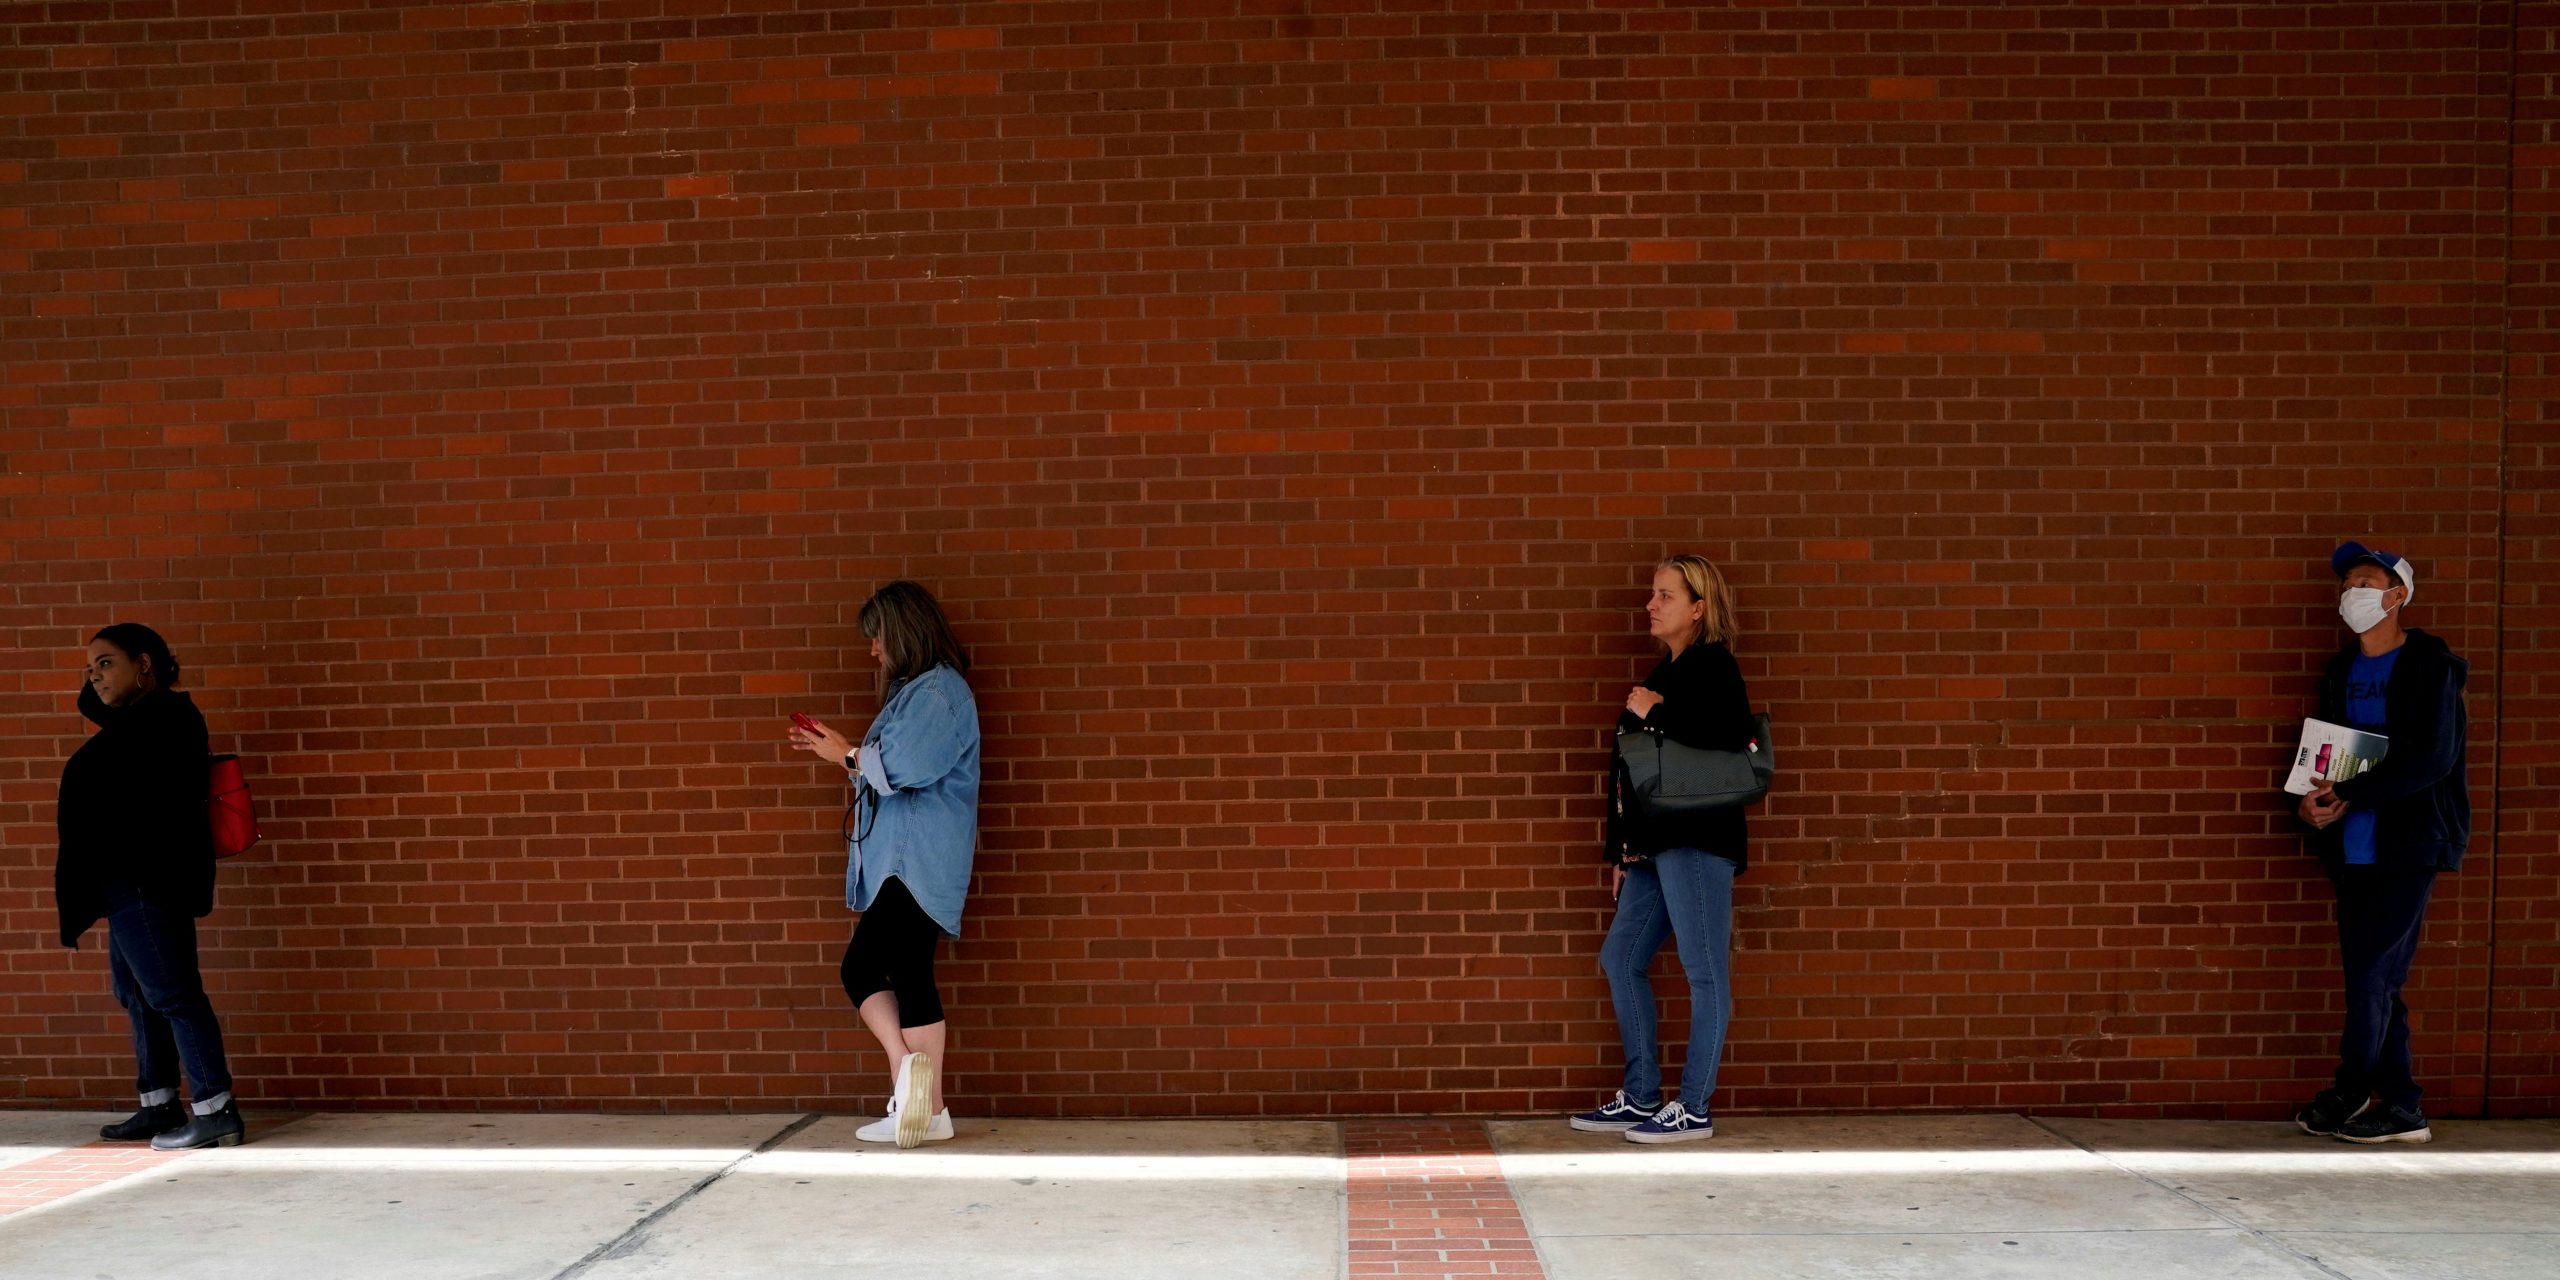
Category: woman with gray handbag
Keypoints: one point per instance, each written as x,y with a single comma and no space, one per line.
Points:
1689,756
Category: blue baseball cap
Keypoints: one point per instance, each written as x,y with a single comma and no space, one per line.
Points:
2350,554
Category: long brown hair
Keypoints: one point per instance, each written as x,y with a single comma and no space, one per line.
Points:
909,625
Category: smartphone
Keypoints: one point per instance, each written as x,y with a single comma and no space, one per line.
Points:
803,723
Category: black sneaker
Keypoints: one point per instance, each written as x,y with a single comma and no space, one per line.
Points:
150,1122
2329,1110
1617,1115
2387,1124
216,1129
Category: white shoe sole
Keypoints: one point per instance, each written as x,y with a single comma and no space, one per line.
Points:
1602,1126
2414,1135
1685,1135
915,1099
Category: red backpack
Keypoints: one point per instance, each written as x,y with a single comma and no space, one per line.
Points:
235,821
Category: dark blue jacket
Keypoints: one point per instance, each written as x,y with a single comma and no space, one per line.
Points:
2420,800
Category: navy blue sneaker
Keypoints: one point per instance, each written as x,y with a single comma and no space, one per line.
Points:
2387,1124
1617,1115
2329,1112
1674,1123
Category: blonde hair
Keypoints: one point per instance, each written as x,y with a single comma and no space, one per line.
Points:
1707,585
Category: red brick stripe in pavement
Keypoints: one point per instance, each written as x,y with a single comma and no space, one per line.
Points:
33,1184
1428,1199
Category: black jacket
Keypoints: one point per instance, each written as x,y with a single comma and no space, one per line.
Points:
131,814
1705,705
2419,797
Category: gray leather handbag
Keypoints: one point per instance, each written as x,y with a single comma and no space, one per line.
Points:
1659,777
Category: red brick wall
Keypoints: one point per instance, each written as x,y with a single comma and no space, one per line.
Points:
2524,1045
504,407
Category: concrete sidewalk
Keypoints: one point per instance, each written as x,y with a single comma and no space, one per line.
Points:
551,1197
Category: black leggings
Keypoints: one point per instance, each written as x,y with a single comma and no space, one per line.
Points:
892,950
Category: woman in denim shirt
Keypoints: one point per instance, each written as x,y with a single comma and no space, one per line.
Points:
914,830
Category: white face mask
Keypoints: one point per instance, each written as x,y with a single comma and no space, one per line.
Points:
2362,609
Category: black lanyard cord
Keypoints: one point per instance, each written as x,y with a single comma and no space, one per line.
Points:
870,817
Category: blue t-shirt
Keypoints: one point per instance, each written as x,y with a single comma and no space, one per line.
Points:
2367,682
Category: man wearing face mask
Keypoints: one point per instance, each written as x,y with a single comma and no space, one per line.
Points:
2384,834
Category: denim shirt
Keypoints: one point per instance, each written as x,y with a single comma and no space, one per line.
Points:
916,797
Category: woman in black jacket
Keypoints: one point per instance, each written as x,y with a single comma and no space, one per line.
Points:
137,851
1673,876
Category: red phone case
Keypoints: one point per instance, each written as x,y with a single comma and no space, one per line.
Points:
804,722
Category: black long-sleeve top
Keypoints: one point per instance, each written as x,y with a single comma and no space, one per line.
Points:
131,813
1705,705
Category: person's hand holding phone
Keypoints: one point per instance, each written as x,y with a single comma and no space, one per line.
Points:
818,740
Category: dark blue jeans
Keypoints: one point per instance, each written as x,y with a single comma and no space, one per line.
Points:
153,953
2380,911
1684,895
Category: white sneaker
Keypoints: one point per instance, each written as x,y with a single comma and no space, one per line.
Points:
886,1130
915,1114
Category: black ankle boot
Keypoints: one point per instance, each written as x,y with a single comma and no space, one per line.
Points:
220,1129
146,1123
